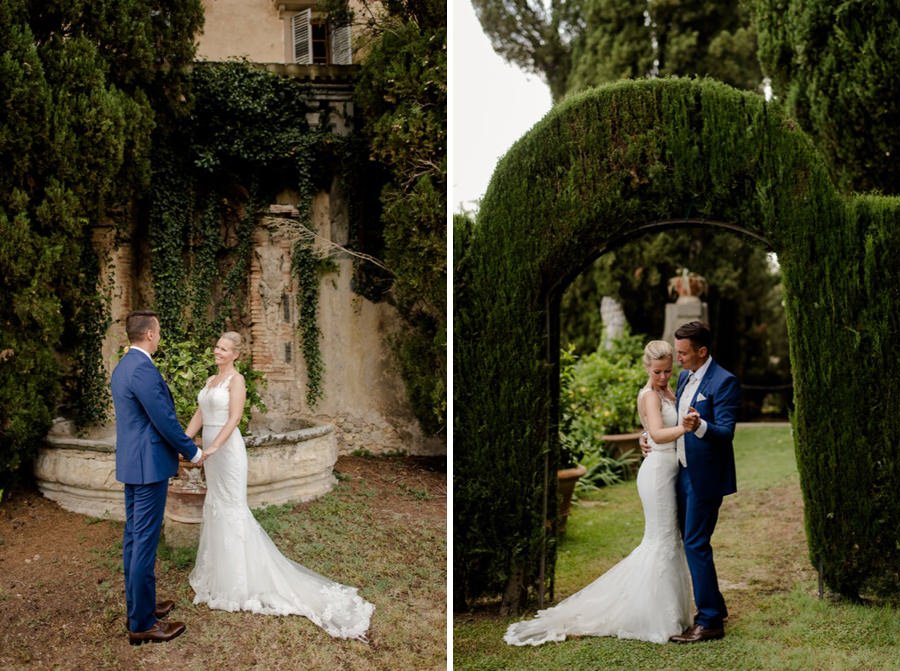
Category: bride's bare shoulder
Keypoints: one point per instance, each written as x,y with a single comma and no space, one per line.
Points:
646,399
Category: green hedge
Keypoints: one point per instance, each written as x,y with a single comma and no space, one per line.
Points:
593,171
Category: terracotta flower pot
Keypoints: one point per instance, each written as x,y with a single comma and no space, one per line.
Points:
620,444
567,478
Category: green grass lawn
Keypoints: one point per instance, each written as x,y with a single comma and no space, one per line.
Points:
775,621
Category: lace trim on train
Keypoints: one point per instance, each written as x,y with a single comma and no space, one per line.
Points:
347,614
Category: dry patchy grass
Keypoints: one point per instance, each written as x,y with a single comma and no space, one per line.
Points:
383,529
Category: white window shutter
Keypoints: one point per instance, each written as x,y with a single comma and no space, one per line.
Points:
302,37
341,54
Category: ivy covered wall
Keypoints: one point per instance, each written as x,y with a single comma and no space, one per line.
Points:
596,168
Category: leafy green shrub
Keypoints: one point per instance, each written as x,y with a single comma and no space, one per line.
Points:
186,367
598,396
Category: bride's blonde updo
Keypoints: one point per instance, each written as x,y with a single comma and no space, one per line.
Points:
235,339
656,350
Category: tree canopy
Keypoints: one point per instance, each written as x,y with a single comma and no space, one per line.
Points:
835,64
575,44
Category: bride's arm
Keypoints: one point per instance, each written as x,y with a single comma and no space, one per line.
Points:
194,425
196,422
650,408
237,394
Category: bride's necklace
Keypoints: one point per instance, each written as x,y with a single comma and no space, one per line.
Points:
663,396
219,378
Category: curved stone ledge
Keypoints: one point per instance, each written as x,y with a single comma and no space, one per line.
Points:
290,467
80,474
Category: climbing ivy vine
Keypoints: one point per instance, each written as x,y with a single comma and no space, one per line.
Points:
307,266
246,140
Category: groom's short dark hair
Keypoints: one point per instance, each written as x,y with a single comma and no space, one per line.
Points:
138,322
697,332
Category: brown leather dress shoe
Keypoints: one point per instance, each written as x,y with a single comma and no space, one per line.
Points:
698,633
158,633
163,608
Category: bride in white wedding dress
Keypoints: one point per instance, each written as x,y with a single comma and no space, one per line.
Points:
238,566
647,595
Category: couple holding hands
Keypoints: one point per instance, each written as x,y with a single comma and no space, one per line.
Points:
238,566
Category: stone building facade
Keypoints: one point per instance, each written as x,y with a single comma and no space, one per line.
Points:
364,396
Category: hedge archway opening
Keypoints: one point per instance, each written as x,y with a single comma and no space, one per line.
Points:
552,350
598,169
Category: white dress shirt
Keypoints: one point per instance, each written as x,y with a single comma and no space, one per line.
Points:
687,394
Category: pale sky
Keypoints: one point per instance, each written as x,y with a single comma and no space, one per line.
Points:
493,104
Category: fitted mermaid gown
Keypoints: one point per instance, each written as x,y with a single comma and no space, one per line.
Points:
647,595
238,566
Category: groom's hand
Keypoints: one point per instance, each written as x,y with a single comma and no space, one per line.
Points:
691,420
645,444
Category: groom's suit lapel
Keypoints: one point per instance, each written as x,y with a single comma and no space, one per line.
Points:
706,384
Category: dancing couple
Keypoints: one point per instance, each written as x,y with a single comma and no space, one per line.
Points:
688,469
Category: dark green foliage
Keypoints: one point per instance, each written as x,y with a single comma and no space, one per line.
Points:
402,99
582,43
846,326
835,64
596,168
80,84
744,300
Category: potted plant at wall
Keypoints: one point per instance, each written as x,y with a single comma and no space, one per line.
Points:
599,425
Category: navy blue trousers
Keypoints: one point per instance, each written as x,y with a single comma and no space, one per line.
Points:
144,508
697,518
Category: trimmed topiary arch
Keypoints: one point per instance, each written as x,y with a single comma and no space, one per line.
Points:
608,165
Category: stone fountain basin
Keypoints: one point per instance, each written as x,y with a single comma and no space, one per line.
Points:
288,467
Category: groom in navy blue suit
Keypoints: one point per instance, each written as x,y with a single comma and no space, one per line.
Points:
708,400
148,440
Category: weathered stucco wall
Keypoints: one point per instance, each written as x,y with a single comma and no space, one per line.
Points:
260,30
364,396
251,29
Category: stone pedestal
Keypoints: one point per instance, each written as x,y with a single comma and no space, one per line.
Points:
681,312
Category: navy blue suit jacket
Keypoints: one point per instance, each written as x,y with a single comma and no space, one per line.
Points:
148,435
710,460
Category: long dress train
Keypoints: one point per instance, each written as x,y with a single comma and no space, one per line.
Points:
238,566
647,595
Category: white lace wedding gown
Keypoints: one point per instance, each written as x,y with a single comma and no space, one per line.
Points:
647,595
238,566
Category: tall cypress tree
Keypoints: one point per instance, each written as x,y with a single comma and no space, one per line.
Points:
835,64
81,82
